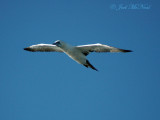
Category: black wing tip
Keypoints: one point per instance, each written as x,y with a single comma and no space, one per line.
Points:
25,49
28,49
126,50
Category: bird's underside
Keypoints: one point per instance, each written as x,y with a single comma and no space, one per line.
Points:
78,52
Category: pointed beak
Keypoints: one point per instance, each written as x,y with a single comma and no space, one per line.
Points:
54,44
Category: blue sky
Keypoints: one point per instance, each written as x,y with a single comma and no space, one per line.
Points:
51,86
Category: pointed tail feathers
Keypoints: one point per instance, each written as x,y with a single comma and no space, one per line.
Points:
89,65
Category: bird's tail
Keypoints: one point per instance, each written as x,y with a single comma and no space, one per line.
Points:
89,65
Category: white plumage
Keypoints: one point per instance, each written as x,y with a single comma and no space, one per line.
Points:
77,53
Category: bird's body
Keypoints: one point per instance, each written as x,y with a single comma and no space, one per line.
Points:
77,53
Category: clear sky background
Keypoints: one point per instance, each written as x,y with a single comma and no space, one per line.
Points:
51,86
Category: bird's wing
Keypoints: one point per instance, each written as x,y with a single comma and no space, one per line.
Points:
43,48
86,49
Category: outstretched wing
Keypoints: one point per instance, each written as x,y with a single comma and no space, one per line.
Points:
86,49
43,48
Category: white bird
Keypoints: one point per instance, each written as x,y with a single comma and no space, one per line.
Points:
77,53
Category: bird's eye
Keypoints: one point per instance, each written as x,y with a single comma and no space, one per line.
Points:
58,42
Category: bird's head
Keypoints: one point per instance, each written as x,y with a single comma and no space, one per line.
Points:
58,43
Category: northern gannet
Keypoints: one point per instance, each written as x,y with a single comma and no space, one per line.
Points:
77,53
